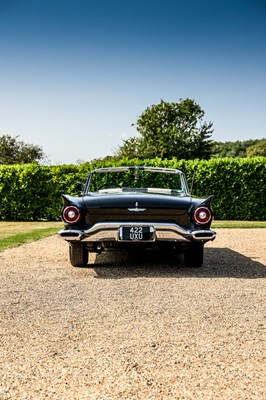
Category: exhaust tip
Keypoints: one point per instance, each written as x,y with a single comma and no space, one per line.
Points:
204,235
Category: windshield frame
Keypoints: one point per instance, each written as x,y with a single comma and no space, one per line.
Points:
136,169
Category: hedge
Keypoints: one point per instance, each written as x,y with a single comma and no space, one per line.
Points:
32,192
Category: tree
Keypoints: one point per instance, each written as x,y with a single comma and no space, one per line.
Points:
13,151
233,149
258,149
131,148
170,130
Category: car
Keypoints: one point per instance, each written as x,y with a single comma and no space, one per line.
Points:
136,207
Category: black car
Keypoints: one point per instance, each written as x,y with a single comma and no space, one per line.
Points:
136,207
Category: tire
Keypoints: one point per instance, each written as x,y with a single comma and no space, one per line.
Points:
78,255
193,256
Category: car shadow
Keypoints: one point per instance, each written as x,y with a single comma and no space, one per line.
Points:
218,262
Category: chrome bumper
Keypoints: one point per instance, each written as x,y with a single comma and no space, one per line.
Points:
109,231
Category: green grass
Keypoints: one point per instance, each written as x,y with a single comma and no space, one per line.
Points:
238,224
13,234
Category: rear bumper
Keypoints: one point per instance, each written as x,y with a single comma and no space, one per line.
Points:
109,231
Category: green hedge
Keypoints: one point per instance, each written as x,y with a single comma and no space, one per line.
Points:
32,192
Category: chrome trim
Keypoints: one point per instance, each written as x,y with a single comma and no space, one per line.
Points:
109,231
70,234
136,169
137,209
203,235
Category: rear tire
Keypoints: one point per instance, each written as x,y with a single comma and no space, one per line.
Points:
194,255
78,255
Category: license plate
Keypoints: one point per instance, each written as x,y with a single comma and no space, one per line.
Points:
136,233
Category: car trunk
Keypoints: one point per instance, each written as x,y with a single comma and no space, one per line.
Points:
137,207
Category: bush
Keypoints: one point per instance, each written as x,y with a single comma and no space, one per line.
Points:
32,192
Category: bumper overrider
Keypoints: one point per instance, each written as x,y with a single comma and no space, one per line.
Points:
110,231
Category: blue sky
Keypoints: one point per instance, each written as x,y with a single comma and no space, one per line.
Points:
75,74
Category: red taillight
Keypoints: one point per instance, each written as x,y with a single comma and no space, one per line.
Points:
71,214
202,215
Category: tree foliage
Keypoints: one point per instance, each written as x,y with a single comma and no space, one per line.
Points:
14,151
170,130
258,149
233,149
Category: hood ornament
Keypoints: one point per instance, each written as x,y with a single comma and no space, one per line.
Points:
137,209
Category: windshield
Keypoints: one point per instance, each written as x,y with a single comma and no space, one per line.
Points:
142,180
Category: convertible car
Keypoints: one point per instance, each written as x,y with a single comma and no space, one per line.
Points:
136,208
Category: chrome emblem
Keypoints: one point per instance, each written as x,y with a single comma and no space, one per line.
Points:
137,209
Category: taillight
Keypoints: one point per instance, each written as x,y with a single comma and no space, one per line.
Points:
71,214
202,215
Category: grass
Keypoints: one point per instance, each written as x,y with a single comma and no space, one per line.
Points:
13,234
238,224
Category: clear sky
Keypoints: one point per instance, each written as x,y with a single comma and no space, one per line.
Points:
75,74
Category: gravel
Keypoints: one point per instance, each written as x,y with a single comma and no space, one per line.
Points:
134,326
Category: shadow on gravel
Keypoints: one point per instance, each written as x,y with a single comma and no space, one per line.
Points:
218,263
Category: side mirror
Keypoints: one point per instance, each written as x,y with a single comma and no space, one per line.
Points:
80,187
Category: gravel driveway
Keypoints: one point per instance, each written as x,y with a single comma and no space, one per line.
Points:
135,326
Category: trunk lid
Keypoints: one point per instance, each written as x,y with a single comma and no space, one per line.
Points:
132,207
